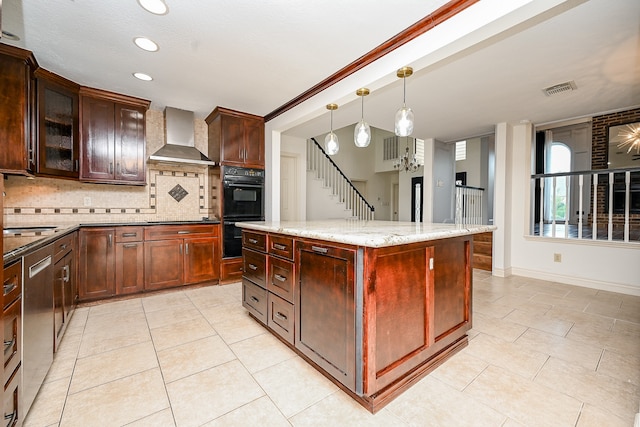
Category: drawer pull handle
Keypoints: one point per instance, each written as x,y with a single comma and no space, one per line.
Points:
130,245
253,267
11,417
184,232
63,246
280,247
319,249
280,277
254,299
253,241
281,316
9,344
9,287
129,234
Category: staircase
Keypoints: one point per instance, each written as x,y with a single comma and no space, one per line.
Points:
334,180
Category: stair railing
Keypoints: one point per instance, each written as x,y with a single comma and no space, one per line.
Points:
333,178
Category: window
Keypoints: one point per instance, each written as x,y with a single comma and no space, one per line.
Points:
461,150
390,150
419,150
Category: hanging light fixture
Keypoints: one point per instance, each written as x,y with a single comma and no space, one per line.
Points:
407,162
362,131
331,144
404,116
631,138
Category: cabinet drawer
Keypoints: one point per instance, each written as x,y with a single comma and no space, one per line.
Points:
63,245
231,270
254,266
280,317
12,392
162,232
129,234
254,240
254,299
281,278
281,246
12,336
12,283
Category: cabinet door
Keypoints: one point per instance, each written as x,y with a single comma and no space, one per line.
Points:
16,82
129,268
58,138
201,262
97,263
97,139
254,143
129,144
325,312
164,266
232,140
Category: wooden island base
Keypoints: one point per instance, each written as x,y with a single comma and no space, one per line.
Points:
372,319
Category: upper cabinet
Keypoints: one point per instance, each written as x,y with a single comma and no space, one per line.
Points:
57,126
17,96
113,137
236,138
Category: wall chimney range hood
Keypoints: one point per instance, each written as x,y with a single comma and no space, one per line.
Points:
180,140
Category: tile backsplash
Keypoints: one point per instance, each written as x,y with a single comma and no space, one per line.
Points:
57,201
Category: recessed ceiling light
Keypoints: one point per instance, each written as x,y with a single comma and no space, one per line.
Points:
10,36
158,7
143,76
146,44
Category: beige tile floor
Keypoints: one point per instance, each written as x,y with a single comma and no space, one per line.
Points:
540,354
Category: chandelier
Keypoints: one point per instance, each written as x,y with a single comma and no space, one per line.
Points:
631,138
406,162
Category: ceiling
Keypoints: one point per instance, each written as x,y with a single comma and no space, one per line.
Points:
254,56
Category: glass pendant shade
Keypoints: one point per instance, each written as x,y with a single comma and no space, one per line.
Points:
331,144
404,121
362,134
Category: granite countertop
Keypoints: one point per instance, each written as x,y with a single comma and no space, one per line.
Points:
16,245
373,234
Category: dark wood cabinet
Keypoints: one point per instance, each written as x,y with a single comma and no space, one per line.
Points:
58,137
236,138
64,285
112,138
129,259
325,308
96,263
17,155
180,255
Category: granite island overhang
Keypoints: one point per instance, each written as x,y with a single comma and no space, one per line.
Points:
373,305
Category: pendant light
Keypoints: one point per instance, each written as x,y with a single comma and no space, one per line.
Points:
362,131
404,116
331,144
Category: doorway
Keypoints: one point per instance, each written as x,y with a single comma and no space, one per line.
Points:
288,187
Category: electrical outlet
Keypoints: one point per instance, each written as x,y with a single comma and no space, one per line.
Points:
87,201
557,257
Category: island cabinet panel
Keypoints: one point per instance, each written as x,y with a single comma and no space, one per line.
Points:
281,278
280,317
452,296
254,299
255,267
325,308
400,299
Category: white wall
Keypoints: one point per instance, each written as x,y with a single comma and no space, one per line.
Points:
297,147
472,165
613,266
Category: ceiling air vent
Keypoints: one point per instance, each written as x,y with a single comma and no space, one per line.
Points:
559,88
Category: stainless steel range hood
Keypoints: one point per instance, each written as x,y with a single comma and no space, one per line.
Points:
180,140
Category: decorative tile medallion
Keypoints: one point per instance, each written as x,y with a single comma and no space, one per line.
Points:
178,193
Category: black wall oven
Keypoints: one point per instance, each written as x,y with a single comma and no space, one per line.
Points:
242,200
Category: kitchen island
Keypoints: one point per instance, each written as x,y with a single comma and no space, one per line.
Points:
373,305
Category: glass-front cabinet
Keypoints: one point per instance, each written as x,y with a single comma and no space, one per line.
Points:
58,132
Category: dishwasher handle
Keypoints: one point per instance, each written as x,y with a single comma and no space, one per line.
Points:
39,266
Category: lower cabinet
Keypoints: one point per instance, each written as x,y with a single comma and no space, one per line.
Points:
129,260
97,263
65,292
132,259
180,255
12,337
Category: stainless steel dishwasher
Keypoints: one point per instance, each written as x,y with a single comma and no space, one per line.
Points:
37,322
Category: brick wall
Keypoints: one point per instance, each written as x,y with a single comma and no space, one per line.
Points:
599,157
